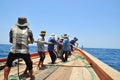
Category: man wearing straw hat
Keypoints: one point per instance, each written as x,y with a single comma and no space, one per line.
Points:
66,48
51,47
73,42
20,36
41,48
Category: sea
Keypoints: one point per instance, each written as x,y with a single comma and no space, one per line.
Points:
108,56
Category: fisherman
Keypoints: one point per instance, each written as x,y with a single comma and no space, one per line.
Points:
52,52
59,47
66,48
73,42
20,36
41,48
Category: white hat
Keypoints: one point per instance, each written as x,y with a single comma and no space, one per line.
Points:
61,38
53,35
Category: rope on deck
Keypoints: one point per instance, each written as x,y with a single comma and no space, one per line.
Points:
13,77
85,63
61,65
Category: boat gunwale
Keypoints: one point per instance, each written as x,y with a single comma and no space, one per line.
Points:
100,69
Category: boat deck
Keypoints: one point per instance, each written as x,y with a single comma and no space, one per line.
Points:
77,68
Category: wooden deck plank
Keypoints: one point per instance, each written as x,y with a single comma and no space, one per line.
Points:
62,73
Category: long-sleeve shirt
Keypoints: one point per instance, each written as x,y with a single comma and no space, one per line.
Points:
73,42
51,46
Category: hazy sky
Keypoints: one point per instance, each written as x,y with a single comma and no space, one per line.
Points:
95,22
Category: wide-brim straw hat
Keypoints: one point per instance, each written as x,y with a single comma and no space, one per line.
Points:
43,32
65,36
22,21
61,38
53,35
76,38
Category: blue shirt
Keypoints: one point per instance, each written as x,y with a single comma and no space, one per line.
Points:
73,42
66,44
51,46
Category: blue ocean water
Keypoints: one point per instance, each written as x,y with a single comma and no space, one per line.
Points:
4,50
108,56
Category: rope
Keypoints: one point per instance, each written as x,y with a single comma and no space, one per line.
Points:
89,69
86,65
61,65
15,77
18,67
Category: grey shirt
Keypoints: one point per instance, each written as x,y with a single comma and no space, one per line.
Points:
19,38
41,43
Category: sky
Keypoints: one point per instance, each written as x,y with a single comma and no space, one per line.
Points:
96,23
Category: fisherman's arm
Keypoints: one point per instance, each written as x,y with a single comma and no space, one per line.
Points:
10,36
31,39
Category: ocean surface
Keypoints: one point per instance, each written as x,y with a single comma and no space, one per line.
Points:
108,56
